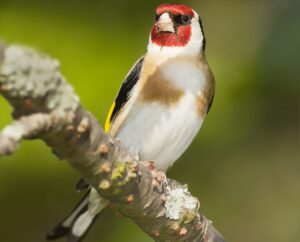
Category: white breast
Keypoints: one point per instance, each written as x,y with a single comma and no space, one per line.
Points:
162,133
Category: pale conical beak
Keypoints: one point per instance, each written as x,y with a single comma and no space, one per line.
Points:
165,23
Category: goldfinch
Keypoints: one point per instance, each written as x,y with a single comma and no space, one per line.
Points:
160,107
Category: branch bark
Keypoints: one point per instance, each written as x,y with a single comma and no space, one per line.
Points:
47,108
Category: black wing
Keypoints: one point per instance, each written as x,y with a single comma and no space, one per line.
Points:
124,92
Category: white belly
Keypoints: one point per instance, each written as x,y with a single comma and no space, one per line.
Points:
159,133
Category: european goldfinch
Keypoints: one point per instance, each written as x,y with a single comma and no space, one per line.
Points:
160,106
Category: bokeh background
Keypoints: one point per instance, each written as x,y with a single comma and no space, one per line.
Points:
244,165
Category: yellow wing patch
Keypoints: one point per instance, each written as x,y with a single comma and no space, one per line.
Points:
108,122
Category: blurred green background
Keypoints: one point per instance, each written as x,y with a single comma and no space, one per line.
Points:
244,165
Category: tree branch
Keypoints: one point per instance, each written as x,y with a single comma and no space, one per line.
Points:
46,107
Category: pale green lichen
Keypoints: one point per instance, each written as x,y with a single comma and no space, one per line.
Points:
118,171
104,185
27,73
188,216
122,174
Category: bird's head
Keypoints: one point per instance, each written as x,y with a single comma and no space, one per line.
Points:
177,28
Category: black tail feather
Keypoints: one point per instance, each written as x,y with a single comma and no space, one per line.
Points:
80,220
58,232
74,238
81,185
63,229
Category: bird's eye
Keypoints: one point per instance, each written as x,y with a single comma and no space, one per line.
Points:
182,19
185,19
157,17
